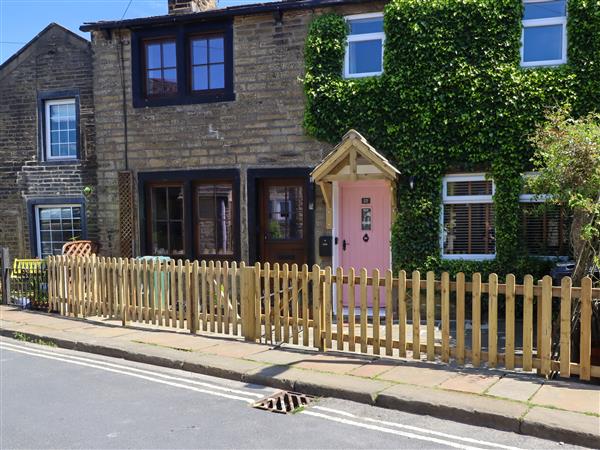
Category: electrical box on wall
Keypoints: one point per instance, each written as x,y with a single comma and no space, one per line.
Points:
325,246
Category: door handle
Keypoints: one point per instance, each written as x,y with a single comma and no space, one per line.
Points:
344,244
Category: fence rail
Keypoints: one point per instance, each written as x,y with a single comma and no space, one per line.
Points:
518,326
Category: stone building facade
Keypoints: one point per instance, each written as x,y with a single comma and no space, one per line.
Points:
246,141
47,157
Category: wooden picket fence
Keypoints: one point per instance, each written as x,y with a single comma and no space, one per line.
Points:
315,307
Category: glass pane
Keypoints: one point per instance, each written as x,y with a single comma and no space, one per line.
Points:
176,235
169,54
160,238
544,230
154,82
469,229
543,10
216,50
153,56
217,76
365,56
175,203
362,26
285,212
214,222
199,51
480,187
200,78
543,43
159,204
170,81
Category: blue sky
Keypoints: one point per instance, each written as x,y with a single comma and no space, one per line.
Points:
21,20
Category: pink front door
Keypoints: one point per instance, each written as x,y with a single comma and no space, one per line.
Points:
364,223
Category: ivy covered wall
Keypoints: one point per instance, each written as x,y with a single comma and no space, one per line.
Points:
452,98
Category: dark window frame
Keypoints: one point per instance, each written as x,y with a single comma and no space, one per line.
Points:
253,178
52,201
190,66
42,98
188,178
149,213
182,35
161,41
235,212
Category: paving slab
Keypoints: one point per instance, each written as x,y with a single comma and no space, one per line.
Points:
458,406
331,363
173,340
375,368
237,349
473,383
570,396
546,423
280,356
515,388
417,374
105,332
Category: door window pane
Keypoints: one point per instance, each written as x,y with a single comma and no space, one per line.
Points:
57,225
214,218
167,217
285,212
543,43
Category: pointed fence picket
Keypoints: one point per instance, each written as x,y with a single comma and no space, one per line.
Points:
345,310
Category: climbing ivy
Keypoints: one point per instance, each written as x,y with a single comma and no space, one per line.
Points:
452,97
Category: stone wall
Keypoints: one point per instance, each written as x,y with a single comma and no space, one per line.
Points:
262,128
56,60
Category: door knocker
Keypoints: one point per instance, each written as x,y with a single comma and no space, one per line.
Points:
366,237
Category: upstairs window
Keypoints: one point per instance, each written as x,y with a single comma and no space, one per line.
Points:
364,49
544,33
468,217
60,129
207,63
160,67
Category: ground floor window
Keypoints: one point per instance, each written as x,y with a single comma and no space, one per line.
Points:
468,217
544,227
166,220
191,215
214,218
57,225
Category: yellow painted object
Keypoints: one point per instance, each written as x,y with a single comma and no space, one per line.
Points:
21,265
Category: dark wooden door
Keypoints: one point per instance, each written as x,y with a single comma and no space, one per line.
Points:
283,221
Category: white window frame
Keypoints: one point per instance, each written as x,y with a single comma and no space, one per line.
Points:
462,199
47,142
38,230
360,38
532,23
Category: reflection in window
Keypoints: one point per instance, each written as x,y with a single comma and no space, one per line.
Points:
544,33
214,221
286,212
364,51
161,68
61,129
208,63
57,225
167,220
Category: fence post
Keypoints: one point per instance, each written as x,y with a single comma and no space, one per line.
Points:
248,300
5,275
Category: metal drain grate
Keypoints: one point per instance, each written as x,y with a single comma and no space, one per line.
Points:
283,402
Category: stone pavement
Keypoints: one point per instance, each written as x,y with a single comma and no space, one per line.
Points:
566,411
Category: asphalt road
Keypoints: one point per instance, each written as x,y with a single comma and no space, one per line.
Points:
54,398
